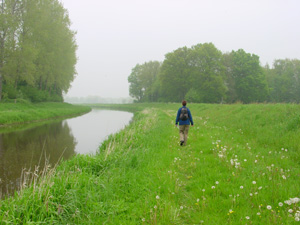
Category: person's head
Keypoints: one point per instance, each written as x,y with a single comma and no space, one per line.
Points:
184,103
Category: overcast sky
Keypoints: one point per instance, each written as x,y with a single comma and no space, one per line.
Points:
115,35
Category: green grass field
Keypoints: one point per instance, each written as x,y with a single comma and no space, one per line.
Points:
16,113
241,166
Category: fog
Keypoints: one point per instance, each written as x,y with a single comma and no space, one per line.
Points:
113,36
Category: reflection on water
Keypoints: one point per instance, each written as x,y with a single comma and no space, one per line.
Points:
26,149
91,129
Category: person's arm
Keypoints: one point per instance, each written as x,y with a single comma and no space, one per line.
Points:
177,117
191,118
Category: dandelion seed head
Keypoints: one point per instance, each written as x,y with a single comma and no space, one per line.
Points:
241,187
254,182
213,187
280,204
217,182
157,197
269,207
248,217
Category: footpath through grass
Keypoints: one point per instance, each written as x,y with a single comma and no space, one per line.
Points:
241,166
16,113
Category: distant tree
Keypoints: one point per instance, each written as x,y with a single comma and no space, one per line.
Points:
143,80
207,73
175,75
249,78
231,94
135,84
284,80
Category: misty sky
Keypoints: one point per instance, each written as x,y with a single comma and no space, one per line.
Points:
115,35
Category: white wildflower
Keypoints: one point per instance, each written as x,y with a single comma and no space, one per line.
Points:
269,207
157,197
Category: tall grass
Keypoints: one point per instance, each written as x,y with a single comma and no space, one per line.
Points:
241,166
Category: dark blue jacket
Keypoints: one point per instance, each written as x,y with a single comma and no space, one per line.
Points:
184,122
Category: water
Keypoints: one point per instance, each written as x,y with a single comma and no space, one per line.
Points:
29,147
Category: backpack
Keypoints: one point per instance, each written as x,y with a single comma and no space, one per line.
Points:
184,114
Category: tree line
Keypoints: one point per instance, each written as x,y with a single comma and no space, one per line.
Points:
37,50
203,74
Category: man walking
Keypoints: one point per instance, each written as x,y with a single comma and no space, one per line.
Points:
184,118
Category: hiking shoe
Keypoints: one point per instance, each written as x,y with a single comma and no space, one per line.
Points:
181,143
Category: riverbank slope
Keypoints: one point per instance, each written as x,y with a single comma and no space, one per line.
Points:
17,113
241,166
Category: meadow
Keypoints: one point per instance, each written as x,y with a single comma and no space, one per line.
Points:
241,166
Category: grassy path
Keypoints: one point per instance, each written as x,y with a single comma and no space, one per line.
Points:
241,166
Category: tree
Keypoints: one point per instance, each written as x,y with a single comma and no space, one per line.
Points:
175,75
9,22
143,81
38,48
249,78
231,94
284,80
208,73
136,88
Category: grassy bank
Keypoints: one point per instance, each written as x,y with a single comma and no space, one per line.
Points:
241,166
11,113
